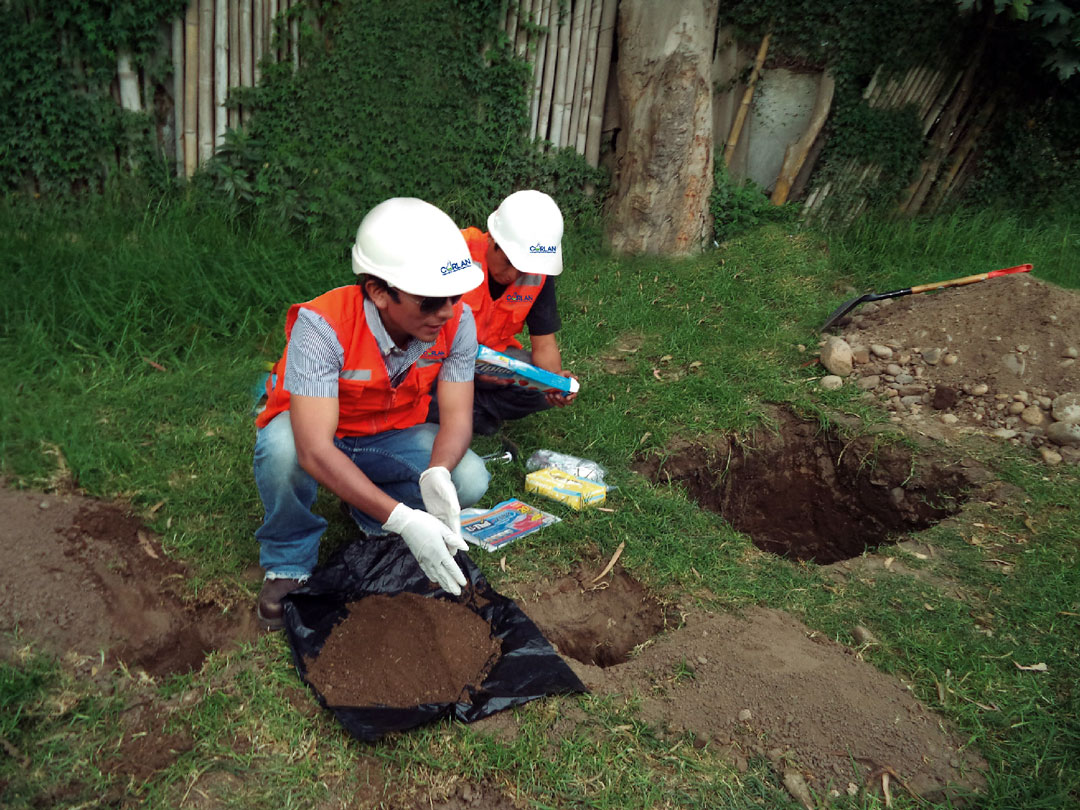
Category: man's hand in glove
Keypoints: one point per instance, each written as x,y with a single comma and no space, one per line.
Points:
432,543
440,497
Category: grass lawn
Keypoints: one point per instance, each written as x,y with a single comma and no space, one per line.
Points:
131,341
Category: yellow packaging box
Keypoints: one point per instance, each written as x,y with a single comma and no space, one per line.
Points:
562,486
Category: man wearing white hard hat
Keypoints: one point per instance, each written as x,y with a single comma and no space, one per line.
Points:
520,254
347,401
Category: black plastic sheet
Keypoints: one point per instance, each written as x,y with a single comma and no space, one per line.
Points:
527,668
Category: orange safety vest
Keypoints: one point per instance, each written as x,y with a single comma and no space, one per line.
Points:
367,403
498,321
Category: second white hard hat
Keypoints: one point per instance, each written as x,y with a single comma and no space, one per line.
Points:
528,226
415,247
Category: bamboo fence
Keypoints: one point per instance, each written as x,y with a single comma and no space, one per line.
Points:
569,44
217,45
952,116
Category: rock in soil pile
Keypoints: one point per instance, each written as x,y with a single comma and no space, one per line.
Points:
403,650
998,358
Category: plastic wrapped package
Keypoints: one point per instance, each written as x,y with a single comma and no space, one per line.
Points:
580,467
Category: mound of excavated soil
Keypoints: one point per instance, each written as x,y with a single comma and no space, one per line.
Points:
82,577
992,357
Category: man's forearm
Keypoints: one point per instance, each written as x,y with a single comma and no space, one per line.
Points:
333,469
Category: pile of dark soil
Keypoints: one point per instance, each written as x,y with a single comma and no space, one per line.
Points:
403,650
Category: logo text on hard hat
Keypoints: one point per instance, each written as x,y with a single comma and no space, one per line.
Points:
453,267
538,248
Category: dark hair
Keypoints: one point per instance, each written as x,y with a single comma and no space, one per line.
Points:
380,284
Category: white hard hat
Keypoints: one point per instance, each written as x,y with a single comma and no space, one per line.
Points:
414,247
528,226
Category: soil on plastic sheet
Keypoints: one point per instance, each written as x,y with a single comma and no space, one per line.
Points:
403,650
84,580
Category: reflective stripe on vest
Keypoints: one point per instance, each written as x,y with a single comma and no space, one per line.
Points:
367,402
497,322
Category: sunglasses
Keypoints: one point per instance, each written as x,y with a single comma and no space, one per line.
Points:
429,305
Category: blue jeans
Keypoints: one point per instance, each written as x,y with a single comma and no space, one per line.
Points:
289,535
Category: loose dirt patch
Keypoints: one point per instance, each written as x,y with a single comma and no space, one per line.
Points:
764,685
403,650
83,578
804,491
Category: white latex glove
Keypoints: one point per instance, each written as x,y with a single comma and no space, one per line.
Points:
432,543
440,498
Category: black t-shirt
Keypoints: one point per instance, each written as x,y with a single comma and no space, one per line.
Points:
543,317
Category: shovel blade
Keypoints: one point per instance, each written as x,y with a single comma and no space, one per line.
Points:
843,310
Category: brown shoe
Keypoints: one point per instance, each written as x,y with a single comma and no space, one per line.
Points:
269,609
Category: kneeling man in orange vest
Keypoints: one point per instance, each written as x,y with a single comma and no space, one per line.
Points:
347,401
520,254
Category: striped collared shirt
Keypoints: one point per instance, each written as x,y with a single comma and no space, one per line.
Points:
316,357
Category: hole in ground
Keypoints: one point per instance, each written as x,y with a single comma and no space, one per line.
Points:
596,623
805,493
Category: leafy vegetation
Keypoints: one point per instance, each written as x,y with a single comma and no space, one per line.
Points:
94,291
408,98
60,130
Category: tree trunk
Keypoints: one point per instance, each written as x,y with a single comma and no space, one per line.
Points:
665,149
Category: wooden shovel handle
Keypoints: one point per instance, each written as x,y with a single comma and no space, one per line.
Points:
959,282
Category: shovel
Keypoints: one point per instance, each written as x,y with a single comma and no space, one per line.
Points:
847,306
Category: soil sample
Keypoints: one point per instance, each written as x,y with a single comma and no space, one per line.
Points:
403,650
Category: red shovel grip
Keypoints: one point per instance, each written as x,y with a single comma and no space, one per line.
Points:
1020,268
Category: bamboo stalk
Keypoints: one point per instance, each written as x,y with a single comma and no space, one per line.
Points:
605,40
905,88
258,30
550,56
221,70
522,38
871,87
796,153
581,126
928,171
531,35
562,70
931,93
539,65
512,21
573,80
128,80
246,66
234,57
191,81
744,106
926,74
940,102
294,36
271,32
178,92
206,80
